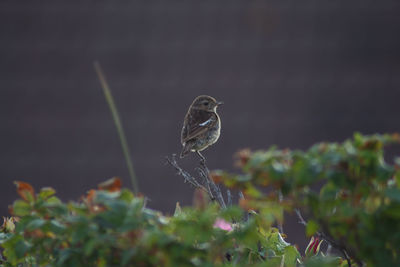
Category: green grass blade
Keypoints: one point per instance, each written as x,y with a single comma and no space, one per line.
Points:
118,125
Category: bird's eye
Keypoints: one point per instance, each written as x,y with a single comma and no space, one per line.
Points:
205,103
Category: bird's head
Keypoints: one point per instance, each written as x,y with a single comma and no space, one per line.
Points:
205,102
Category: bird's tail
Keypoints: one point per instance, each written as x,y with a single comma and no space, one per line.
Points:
186,149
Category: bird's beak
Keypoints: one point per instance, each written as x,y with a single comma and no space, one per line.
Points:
219,103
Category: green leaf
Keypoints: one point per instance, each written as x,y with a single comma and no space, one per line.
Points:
15,248
393,194
311,228
64,256
320,261
127,255
21,247
89,246
126,195
105,196
291,256
53,200
4,237
56,227
35,224
232,213
178,209
21,208
46,192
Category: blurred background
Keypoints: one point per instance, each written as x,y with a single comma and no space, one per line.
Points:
291,73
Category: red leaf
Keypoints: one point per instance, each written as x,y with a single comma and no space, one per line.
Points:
25,191
242,157
90,195
112,185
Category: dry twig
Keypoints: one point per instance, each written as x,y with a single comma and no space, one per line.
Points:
208,185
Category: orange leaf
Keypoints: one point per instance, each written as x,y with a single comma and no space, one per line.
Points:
200,199
244,203
37,233
90,195
89,200
112,185
216,176
396,137
25,191
242,157
10,209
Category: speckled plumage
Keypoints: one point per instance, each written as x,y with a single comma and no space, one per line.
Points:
202,125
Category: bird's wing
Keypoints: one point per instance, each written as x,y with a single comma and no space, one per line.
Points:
197,123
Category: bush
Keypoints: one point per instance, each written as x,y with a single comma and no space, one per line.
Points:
357,206
111,227
348,193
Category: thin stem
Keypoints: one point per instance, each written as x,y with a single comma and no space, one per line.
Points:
280,224
208,185
215,188
118,125
246,217
229,197
187,177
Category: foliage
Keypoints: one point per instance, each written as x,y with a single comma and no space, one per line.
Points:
348,192
112,227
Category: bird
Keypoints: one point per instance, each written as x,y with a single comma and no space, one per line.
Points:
201,126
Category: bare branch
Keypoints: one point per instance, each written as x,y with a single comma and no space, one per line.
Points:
301,219
187,177
206,181
229,197
280,224
208,185
246,217
214,188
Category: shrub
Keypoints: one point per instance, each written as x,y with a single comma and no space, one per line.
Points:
112,227
348,193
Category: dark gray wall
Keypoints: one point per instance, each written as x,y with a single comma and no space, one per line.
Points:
290,72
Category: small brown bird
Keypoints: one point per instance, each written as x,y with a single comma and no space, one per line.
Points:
202,126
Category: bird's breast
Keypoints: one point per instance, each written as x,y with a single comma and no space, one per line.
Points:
214,132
